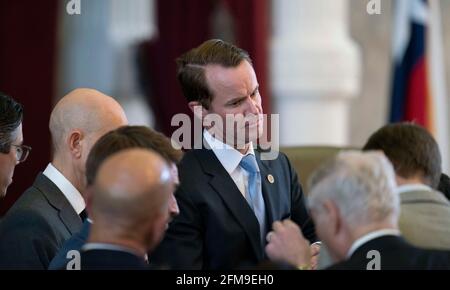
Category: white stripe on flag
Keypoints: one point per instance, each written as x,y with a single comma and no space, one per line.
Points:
406,11
402,30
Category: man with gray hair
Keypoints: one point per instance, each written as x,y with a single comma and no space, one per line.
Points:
52,209
355,208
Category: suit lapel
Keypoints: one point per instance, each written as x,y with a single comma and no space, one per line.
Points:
224,185
271,199
57,199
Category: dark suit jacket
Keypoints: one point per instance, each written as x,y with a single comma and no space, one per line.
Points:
444,185
396,254
216,228
36,226
76,242
111,260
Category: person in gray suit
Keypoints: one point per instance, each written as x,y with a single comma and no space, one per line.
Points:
51,210
12,151
425,212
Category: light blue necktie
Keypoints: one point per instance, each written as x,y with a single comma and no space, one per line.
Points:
254,196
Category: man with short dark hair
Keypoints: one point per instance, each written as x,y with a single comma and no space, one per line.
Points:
411,149
12,151
425,213
228,195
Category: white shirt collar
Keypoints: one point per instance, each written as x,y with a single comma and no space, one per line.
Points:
413,187
371,236
74,197
227,155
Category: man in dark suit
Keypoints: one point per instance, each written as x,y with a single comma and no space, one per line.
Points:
51,210
395,253
61,261
130,210
228,195
117,140
355,207
12,151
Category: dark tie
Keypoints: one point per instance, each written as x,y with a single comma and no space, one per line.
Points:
83,215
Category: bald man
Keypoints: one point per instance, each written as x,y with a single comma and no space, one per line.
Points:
51,210
125,137
130,207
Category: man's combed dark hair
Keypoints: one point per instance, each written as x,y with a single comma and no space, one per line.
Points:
11,114
129,137
411,149
191,67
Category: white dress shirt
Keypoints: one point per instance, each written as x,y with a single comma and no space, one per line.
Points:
371,236
230,159
74,197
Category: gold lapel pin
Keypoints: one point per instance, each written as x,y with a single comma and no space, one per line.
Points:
270,178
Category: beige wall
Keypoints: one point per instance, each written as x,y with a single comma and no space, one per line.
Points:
373,33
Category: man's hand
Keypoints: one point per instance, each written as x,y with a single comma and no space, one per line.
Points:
315,250
287,244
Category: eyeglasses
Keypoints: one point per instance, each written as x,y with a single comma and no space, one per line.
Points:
22,152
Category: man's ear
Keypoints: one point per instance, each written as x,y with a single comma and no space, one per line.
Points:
198,109
75,141
334,216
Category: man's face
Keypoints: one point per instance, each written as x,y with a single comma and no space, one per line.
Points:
9,161
325,225
161,223
235,92
320,222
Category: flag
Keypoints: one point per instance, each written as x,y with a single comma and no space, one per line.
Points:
418,88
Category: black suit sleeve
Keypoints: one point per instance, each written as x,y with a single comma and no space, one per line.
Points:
299,213
182,246
25,244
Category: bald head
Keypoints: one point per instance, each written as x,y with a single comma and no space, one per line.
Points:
131,195
78,120
86,110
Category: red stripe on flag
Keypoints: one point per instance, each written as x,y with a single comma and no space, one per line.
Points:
416,97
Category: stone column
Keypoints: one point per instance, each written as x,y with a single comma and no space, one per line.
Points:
315,71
